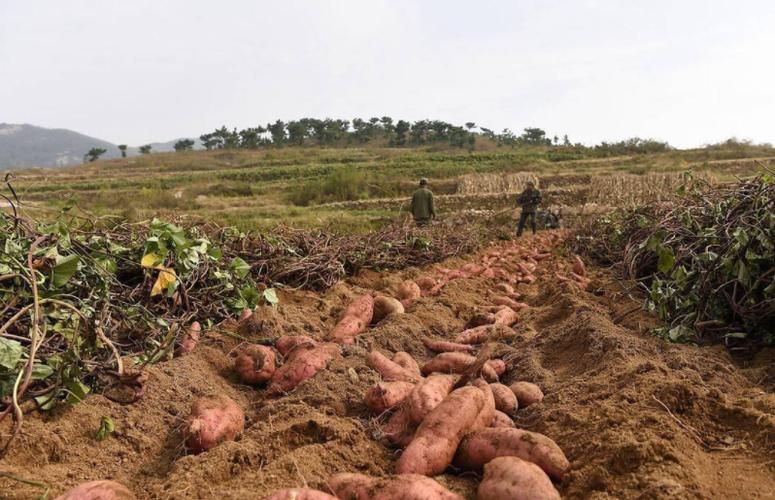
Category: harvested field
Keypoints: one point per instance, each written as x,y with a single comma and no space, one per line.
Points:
635,416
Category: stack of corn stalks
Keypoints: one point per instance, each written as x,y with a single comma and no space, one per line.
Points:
494,183
629,190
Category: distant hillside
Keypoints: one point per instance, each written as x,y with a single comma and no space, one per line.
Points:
23,145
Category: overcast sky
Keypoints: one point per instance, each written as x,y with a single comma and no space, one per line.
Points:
689,72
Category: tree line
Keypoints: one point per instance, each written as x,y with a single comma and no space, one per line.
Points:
386,131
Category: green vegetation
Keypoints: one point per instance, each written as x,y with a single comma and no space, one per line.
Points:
707,260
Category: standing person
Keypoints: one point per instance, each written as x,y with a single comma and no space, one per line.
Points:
422,204
528,200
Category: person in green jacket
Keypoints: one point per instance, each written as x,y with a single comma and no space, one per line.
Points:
528,200
422,204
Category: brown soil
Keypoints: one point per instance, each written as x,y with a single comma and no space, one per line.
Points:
638,418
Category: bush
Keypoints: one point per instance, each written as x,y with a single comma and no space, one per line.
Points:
343,184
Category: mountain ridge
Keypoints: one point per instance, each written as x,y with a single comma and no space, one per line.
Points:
23,145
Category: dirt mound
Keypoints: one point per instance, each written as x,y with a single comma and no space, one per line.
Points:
636,417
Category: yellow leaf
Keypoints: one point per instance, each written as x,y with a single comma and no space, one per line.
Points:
150,260
166,276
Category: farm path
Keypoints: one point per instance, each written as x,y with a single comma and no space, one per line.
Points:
637,418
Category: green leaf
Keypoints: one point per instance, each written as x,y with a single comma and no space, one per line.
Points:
46,402
107,264
270,295
666,259
10,353
239,267
64,269
78,391
41,371
106,429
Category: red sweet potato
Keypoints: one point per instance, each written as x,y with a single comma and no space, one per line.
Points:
384,307
527,393
515,479
506,301
255,364
399,429
541,256
484,333
190,339
302,364
505,399
505,316
458,362
505,288
245,314
445,346
387,395
212,420
408,291
299,494
502,420
98,490
361,308
404,487
390,370
347,329
481,446
287,343
405,360
487,414
438,436
427,394
578,266
448,362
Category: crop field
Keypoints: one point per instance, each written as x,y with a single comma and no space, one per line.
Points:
268,324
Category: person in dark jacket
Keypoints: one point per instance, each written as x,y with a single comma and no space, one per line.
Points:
529,199
422,204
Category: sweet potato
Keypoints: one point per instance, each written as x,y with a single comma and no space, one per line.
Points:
387,395
505,399
515,479
361,308
448,362
384,307
502,420
541,256
390,370
527,393
481,446
98,490
438,436
489,273
302,364
505,288
427,395
212,420
458,362
487,414
476,335
578,266
500,300
287,343
404,486
505,316
245,314
484,333
190,339
399,429
445,346
405,360
408,291
347,329
299,494
255,364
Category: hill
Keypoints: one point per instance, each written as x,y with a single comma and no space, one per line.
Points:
24,145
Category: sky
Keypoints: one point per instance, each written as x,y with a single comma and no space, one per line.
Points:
688,72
